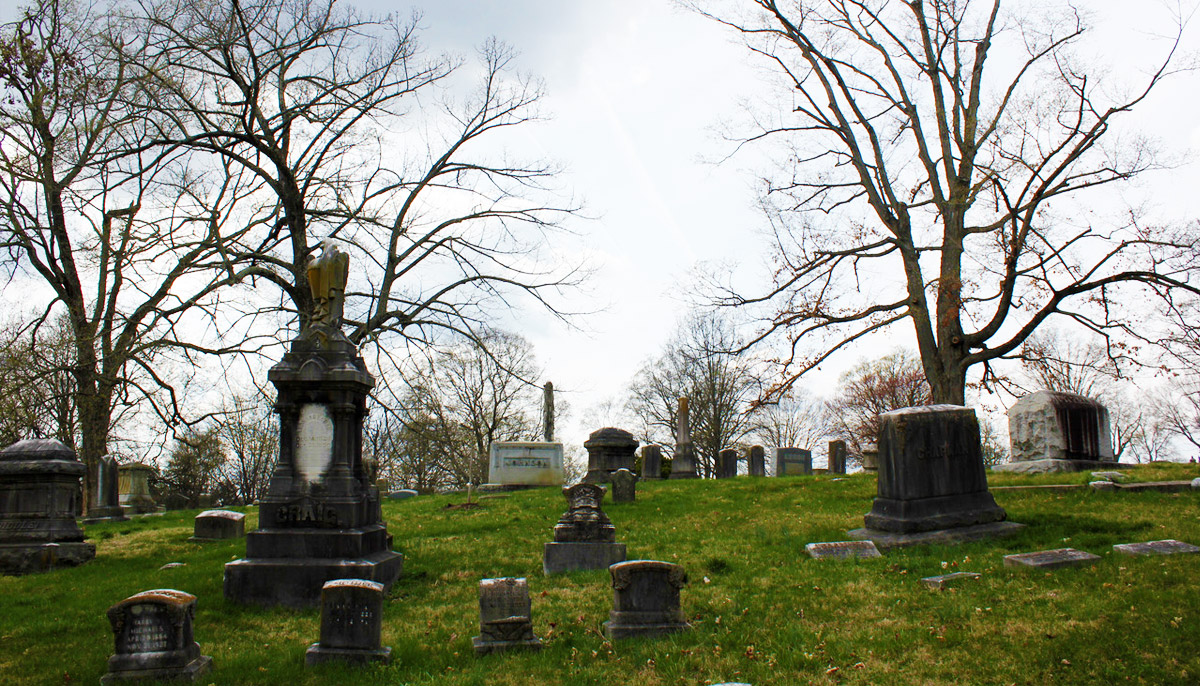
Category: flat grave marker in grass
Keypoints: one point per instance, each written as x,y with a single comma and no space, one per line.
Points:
1051,559
943,581
842,550
1167,547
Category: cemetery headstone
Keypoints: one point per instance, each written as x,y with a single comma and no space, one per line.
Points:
525,463
683,462
402,494
154,639
870,458
645,599
836,461
756,463
351,623
135,488
584,537
1051,559
943,581
727,461
608,450
931,475
215,525
624,486
320,519
39,497
505,617
841,550
1196,483
1167,547
106,501
206,500
793,462
652,462
1053,431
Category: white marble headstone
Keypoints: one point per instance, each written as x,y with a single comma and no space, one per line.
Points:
314,441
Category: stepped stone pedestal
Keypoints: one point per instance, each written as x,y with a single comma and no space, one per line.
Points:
39,498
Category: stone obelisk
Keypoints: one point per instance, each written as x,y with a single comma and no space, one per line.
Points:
683,464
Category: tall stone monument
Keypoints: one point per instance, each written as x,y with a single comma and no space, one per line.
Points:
932,485
683,463
320,519
548,412
105,505
39,498
1055,432
609,449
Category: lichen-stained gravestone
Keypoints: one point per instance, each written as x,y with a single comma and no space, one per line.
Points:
320,519
134,480
154,638
215,525
1054,431
584,537
505,617
39,498
624,486
351,623
645,599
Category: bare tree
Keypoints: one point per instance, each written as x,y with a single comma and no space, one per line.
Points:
793,421
871,388
248,431
937,159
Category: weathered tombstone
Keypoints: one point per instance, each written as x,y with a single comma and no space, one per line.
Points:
683,462
727,461
1051,431
792,462
841,550
39,498
1051,559
652,462
1167,547
870,458
608,450
584,537
944,581
525,463
320,519
154,639
351,623
505,617
624,486
836,460
756,462
215,525
932,483
135,488
402,494
106,502
645,599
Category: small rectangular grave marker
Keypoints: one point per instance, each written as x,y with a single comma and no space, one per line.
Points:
942,581
212,525
505,621
153,637
351,623
1167,547
843,549
1051,559
645,599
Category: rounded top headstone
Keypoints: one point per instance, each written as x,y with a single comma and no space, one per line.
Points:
38,449
610,436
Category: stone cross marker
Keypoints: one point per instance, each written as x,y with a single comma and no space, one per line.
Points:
645,599
756,461
683,463
1051,559
842,550
505,617
351,623
213,525
1167,547
624,486
652,462
39,497
584,537
154,639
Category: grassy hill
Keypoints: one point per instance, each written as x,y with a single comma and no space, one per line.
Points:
762,611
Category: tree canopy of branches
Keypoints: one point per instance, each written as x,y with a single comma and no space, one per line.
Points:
871,388
249,433
938,161
720,388
194,465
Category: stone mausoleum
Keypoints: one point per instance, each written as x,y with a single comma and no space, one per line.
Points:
1050,431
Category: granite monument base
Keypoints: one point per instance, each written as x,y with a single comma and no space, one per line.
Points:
128,671
297,582
32,558
316,655
115,513
1050,466
562,557
486,647
933,513
961,534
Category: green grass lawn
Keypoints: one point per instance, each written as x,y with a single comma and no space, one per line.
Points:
762,611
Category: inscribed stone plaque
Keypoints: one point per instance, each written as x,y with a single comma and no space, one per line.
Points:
147,630
314,441
1051,559
942,581
792,462
842,549
153,637
1167,547
527,463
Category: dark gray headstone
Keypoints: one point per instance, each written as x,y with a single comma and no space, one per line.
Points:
727,461
870,458
505,617
931,473
645,599
756,463
842,550
1051,559
836,460
1167,547
652,462
351,623
584,537
212,525
792,462
943,581
608,450
624,484
154,638
39,498
106,504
